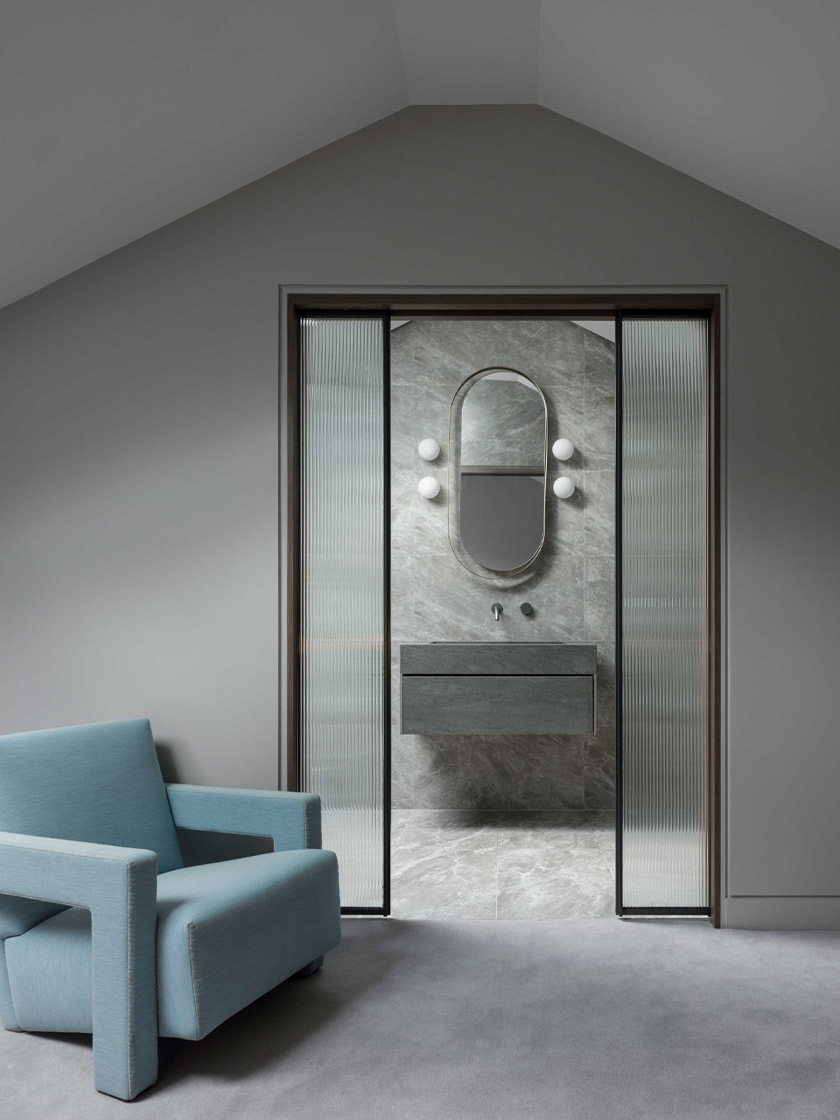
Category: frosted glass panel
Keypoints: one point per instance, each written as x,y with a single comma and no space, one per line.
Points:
664,623
342,581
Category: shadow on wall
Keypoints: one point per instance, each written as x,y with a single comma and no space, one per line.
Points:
167,755
206,847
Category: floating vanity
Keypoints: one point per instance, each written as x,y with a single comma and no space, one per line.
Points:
498,688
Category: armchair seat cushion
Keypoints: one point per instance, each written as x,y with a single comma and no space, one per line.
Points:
226,934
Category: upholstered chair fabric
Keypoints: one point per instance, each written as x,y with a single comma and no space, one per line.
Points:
100,783
227,933
102,929
293,821
117,887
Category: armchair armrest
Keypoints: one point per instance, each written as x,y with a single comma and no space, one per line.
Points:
119,887
292,820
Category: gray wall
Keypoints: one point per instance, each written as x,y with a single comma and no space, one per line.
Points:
138,510
571,585
138,451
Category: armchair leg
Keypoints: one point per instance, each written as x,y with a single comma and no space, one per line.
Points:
125,1031
313,966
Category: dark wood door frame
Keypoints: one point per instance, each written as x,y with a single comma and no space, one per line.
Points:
495,305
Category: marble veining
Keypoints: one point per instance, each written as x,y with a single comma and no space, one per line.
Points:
571,586
478,864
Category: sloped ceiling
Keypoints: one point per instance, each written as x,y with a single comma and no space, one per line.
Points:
117,117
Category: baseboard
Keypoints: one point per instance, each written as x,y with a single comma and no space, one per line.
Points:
800,912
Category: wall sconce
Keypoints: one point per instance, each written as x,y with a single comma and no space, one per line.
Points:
430,487
563,486
428,449
563,449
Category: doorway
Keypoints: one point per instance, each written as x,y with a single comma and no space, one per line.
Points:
474,309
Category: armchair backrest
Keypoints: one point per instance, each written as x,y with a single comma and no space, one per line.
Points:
100,782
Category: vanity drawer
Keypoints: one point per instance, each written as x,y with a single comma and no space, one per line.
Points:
498,705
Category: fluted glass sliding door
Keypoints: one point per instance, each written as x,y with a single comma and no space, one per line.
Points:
664,612
342,671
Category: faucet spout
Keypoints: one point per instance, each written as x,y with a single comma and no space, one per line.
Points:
497,611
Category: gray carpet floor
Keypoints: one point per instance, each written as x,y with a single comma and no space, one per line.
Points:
446,1020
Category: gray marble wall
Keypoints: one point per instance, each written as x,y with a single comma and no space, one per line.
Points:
571,585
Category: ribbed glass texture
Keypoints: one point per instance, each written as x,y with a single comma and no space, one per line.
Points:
665,612
342,581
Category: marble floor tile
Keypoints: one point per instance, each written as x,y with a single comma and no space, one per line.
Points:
546,830
421,828
602,829
546,884
454,863
442,867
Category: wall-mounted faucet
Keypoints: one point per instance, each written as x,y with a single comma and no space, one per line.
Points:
497,611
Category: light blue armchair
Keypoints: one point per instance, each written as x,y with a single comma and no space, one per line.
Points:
103,929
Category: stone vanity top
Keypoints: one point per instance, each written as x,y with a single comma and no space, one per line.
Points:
498,658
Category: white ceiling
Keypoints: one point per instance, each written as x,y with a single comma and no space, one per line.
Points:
117,116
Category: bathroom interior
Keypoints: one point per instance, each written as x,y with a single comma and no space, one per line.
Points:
468,623
503,825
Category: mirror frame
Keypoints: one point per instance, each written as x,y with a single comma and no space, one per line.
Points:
453,521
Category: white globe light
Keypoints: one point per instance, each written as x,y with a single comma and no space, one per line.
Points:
564,487
563,449
428,449
429,487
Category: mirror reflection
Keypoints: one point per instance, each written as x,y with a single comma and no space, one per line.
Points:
498,429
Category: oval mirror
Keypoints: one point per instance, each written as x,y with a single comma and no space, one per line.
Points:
498,432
